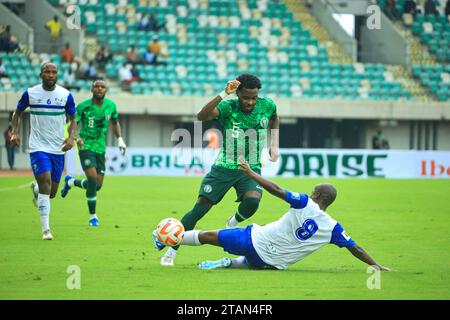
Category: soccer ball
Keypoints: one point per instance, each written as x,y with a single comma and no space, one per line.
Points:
170,232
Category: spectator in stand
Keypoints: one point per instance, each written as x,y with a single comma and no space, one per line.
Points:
75,67
67,54
154,48
447,8
410,7
3,73
69,80
430,7
102,57
376,139
148,22
153,24
91,71
55,27
143,22
10,147
132,56
149,57
391,10
134,72
126,76
6,42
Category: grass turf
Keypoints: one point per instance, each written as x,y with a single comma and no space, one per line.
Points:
403,224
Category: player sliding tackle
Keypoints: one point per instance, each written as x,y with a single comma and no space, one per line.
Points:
246,122
305,228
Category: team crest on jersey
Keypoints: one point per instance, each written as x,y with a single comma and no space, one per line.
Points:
264,122
87,162
207,188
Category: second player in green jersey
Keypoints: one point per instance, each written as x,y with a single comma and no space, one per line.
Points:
94,115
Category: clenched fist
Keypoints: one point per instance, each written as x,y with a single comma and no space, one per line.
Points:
232,86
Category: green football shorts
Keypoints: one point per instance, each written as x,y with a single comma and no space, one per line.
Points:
91,159
219,180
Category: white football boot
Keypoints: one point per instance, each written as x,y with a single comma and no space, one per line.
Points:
46,235
167,258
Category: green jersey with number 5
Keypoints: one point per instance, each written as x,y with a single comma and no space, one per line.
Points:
94,123
244,134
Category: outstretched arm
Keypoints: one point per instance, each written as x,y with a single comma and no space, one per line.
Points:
362,255
210,111
270,186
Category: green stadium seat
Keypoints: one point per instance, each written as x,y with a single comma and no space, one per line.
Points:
329,80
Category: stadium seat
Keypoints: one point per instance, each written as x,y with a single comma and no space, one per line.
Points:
197,30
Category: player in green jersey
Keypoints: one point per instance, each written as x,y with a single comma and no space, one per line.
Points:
94,114
246,122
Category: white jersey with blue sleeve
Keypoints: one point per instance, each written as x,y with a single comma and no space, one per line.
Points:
304,229
48,111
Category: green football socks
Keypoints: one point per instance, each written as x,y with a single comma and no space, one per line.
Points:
246,209
190,219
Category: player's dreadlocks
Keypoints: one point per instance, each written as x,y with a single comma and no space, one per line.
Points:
248,81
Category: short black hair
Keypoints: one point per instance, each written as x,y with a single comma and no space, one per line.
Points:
248,81
98,79
46,63
328,193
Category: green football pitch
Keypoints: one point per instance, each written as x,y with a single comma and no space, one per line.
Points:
403,224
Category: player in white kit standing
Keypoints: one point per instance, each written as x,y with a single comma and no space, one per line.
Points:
305,228
49,105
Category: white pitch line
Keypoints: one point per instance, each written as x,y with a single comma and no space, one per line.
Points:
22,186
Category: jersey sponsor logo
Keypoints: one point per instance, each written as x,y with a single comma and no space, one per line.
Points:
307,230
264,122
207,188
258,187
